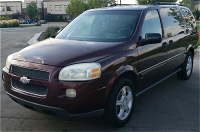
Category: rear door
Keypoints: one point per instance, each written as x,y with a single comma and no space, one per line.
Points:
152,57
190,28
174,32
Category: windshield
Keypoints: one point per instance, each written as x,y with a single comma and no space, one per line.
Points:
101,26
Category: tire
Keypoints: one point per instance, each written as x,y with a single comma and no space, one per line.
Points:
116,113
187,67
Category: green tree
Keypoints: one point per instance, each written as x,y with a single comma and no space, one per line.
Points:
99,3
31,10
196,13
151,2
94,4
188,4
75,7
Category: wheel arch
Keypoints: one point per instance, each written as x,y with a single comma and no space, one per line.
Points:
190,49
128,71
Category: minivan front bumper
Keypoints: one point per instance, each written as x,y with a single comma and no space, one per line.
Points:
53,111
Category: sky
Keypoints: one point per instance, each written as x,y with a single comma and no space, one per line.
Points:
123,1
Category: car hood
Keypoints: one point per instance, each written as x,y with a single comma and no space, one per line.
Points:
60,52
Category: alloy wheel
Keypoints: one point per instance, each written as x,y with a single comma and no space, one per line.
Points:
124,102
189,65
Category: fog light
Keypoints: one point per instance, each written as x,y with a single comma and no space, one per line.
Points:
71,93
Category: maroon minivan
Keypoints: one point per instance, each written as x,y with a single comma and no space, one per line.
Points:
102,60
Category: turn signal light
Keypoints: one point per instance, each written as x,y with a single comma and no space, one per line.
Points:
95,72
94,75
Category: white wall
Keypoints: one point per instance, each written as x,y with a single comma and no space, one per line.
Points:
197,6
53,4
16,7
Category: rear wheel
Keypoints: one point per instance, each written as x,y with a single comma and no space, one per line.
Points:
121,103
187,67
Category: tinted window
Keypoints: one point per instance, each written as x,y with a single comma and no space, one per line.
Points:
108,26
151,23
172,20
188,18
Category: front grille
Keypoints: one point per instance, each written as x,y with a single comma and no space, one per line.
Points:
29,88
31,73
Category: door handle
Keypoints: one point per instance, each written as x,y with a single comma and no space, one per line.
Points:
164,45
171,43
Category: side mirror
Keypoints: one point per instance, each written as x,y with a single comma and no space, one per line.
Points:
151,38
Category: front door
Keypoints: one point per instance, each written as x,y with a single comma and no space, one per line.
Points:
152,57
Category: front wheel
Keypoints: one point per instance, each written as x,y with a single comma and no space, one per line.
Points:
187,67
121,103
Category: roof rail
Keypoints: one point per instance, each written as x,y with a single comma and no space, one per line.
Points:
122,4
166,3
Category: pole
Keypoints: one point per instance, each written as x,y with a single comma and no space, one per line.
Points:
37,14
120,2
6,8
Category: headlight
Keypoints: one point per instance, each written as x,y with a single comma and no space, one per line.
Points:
80,72
9,59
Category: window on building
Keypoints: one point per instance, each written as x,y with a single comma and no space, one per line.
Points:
23,5
45,4
173,22
11,8
58,8
151,24
51,7
2,8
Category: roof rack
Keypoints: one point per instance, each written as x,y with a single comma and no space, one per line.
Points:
166,3
122,4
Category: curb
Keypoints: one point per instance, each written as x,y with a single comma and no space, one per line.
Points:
33,40
198,49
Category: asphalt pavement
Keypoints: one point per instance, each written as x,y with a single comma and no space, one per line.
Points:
172,105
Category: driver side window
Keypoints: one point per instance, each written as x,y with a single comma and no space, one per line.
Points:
151,24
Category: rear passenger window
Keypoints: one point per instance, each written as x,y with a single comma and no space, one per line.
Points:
151,24
172,20
188,18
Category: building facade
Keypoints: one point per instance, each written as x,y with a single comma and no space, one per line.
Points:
45,7
10,7
57,7
42,9
196,4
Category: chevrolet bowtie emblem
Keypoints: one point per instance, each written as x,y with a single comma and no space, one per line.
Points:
24,80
